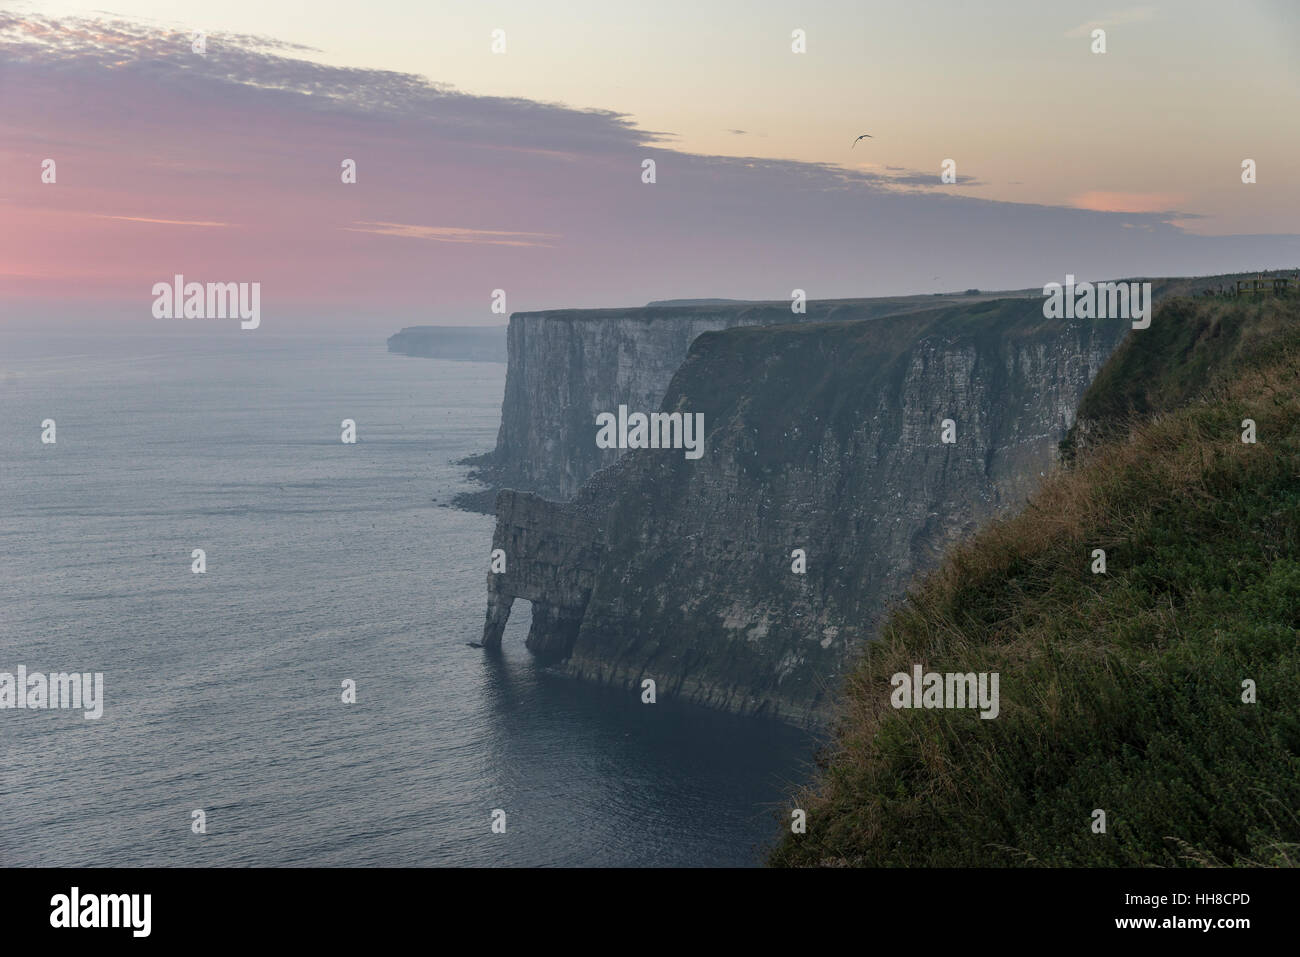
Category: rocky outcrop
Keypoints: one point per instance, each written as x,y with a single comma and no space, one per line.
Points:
566,366
463,343
822,437
553,553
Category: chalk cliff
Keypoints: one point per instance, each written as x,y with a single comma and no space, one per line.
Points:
825,437
568,365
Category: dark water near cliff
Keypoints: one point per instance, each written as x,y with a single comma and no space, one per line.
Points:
324,562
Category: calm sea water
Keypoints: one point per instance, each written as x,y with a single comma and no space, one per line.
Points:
325,562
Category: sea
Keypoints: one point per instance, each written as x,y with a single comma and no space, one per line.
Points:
332,571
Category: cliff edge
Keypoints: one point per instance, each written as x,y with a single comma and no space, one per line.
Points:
829,438
1142,615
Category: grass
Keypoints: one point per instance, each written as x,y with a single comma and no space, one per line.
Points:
1119,691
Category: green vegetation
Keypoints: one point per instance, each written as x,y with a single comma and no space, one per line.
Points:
1120,691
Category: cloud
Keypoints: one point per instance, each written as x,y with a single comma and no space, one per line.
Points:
453,234
163,222
1117,19
247,65
898,176
1105,201
458,194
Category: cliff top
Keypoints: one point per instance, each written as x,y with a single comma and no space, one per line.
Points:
834,309
867,307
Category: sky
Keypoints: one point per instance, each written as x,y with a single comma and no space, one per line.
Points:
522,170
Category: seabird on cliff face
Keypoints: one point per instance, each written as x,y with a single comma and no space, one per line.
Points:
864,136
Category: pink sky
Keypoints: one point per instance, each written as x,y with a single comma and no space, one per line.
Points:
226,167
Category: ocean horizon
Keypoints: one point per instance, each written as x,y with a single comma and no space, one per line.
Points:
325,563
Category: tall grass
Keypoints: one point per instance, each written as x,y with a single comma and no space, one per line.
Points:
1123,691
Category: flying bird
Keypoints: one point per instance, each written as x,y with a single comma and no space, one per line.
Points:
864,136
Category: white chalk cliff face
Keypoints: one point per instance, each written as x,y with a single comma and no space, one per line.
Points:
565,367
568,367
823,437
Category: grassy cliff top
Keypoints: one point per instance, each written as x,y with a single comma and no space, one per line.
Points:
778,309
870,307
1120,691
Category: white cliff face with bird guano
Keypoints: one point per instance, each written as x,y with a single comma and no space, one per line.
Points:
823,437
